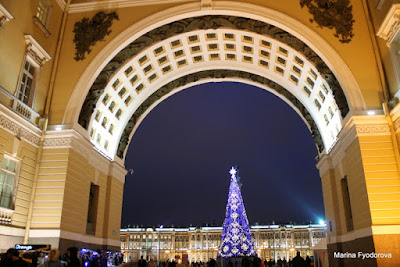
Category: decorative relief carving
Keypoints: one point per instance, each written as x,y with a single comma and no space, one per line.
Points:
35,51
5,216
375,129
371,125
357,126
207,22
215,74
19,131
332,14
89,32
76,142
57,142
390,25
4,15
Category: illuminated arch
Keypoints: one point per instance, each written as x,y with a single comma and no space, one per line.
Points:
217,47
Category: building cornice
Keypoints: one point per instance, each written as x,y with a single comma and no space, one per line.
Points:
19,127
112,4
36,51
390,25
4,15
356,126
72,139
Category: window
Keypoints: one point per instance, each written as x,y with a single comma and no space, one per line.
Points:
7,182
390,32
27,82
43,11
35,57
92,209
347,204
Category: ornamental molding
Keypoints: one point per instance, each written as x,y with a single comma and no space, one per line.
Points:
73,140
202,23
112,4
390,25
371,125
36,51
19,127
206,4
355,127
4,15
240,9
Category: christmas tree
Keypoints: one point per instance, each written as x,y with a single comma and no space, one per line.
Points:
236,236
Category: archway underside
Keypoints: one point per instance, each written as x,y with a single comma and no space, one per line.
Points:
175,85
182,52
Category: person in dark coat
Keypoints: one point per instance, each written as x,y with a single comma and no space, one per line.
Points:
298,261
13,259
245,261
72,257
256,261
142,262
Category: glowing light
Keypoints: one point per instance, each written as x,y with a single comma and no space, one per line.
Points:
58,128
236,239
371,113
321,222
233,171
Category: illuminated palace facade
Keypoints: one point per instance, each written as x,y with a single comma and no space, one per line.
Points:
201,244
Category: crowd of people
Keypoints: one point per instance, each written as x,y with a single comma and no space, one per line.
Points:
88,258
297,261
73,257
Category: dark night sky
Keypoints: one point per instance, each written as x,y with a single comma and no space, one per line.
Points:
183,150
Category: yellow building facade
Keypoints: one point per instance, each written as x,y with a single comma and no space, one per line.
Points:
78,76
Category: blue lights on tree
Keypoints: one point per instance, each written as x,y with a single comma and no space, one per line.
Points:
236,237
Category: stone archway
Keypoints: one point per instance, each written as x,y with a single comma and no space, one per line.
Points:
140,68
202,44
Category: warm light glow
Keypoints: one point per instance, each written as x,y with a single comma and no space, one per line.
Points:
58,128
321,222
233,171
371,113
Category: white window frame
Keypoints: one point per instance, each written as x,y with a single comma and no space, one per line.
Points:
42,15
15,182
4,15
25,75
390,32
35,56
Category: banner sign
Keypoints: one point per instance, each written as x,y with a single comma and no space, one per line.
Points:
32,247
